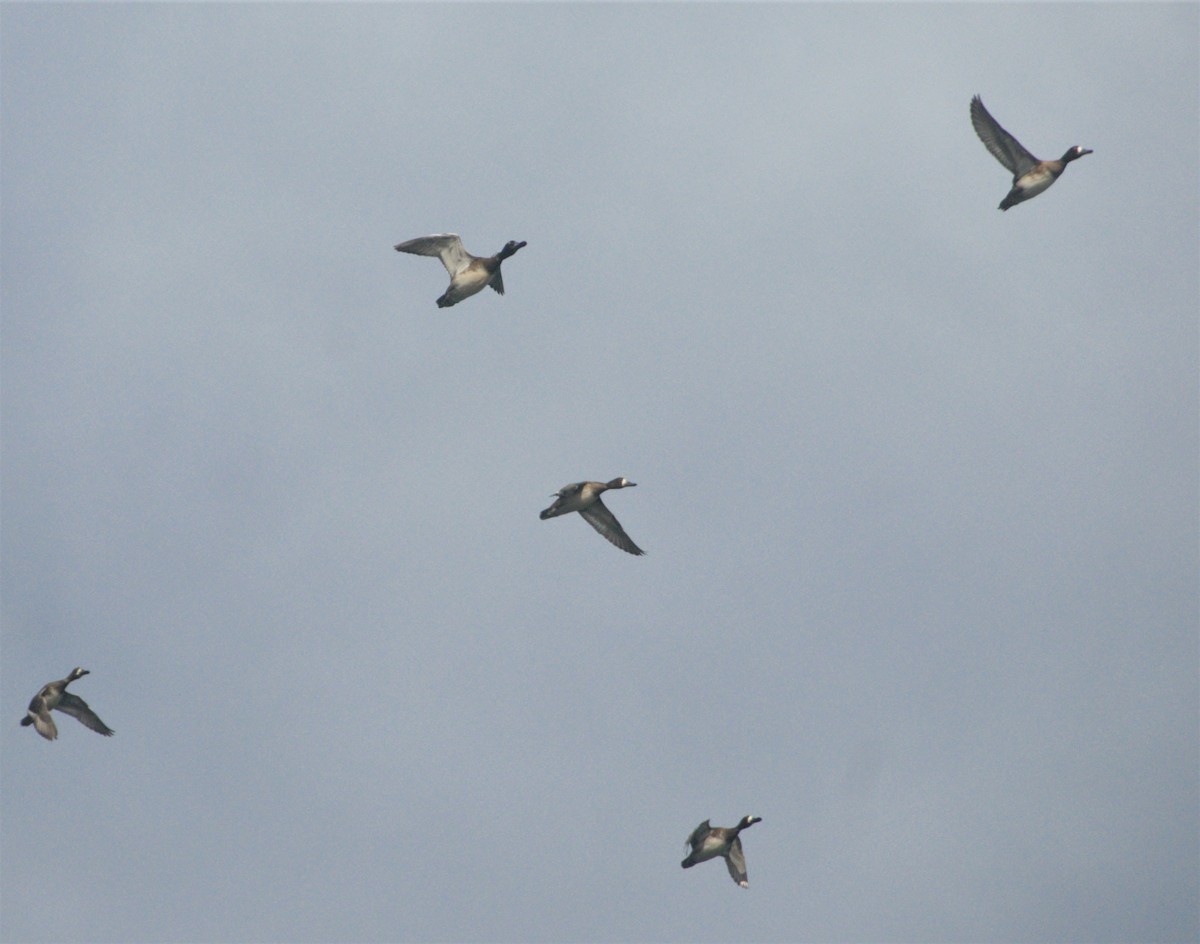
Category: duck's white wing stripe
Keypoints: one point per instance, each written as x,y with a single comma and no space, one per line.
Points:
446,246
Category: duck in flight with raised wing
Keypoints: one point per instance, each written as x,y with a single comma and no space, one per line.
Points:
54,696
468,273
708,842
584,497
1030,176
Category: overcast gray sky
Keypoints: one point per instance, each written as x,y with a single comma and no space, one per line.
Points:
917,479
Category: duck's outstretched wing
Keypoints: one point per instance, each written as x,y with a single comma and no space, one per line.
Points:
694,844
42,722
446,246
698,834
78,709
603,520
736,860
1002,145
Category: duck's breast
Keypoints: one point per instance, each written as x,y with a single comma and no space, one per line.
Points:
468,282
1035,181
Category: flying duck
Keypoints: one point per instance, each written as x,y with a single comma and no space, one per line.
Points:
584,497
708,842
54,695
468,273
1030,176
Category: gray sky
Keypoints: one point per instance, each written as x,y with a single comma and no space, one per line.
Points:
917,479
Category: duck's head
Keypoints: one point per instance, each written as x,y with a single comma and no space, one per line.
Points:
749,821
77,673
622,482
1075,153
510,247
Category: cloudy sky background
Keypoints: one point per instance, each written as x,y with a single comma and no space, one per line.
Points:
917,479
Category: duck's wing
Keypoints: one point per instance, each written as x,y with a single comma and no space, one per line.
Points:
78,709
1002,145
40,718
698,835
446,246
736,860
497,282
599,517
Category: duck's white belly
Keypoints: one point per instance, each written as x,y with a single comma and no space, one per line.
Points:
1035,182
467,283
